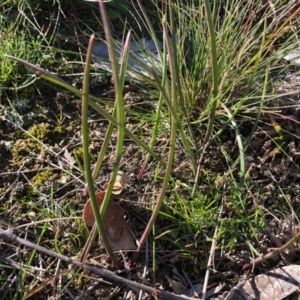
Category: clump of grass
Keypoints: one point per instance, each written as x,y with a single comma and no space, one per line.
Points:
24,35
221,78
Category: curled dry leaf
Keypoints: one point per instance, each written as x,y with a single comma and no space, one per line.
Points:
117,230
119,183
274,285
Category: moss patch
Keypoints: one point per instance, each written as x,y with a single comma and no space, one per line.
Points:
41,132
32,143
42,178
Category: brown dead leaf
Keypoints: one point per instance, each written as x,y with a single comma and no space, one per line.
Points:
116,228
69,159
274,285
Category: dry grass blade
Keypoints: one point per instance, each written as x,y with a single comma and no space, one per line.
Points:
211,256
35,290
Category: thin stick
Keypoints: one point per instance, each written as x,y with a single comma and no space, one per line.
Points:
211,256
280,250
145,269
11,238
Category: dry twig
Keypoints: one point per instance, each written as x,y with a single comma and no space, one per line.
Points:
9,237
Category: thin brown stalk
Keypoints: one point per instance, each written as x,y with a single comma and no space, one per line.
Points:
211,256
263,258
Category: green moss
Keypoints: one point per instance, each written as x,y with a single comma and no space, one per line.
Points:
41,178
20,151
79,153
41,132
19,134
32,142
5,206
59,129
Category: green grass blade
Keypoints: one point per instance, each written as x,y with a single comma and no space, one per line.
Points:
111,125
167,175
164,81
92,102
118,86
150,29
86,154
215,77
241,147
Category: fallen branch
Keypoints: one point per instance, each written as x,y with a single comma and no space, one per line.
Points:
10,238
